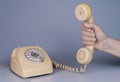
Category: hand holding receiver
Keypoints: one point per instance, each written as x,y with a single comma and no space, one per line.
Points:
83,13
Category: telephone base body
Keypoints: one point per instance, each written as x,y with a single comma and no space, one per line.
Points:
24,68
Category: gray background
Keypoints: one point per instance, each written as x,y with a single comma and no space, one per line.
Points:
52,25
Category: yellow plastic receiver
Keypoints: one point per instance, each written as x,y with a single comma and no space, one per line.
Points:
83,13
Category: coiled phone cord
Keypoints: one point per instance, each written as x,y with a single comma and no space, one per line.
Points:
68,68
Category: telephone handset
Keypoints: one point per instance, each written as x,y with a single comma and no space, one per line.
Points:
33,60
83,13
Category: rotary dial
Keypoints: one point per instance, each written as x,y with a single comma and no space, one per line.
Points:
34,54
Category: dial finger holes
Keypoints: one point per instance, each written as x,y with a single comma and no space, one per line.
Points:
34,54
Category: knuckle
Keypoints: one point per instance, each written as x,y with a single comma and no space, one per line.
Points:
83,37
84,42
82,32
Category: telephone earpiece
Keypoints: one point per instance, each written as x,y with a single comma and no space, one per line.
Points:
83,13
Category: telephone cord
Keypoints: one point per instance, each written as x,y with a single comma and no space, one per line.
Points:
68,68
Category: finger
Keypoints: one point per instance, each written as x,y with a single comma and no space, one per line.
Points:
88,34
85,29
91,26
88,43
90,39
88,25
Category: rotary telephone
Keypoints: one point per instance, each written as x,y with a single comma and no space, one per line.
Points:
33,60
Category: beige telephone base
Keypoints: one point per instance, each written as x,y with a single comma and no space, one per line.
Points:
30,61
33,61
83,13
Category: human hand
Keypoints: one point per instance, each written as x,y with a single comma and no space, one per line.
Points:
93,35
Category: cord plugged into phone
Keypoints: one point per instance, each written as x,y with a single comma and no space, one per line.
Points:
84,13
